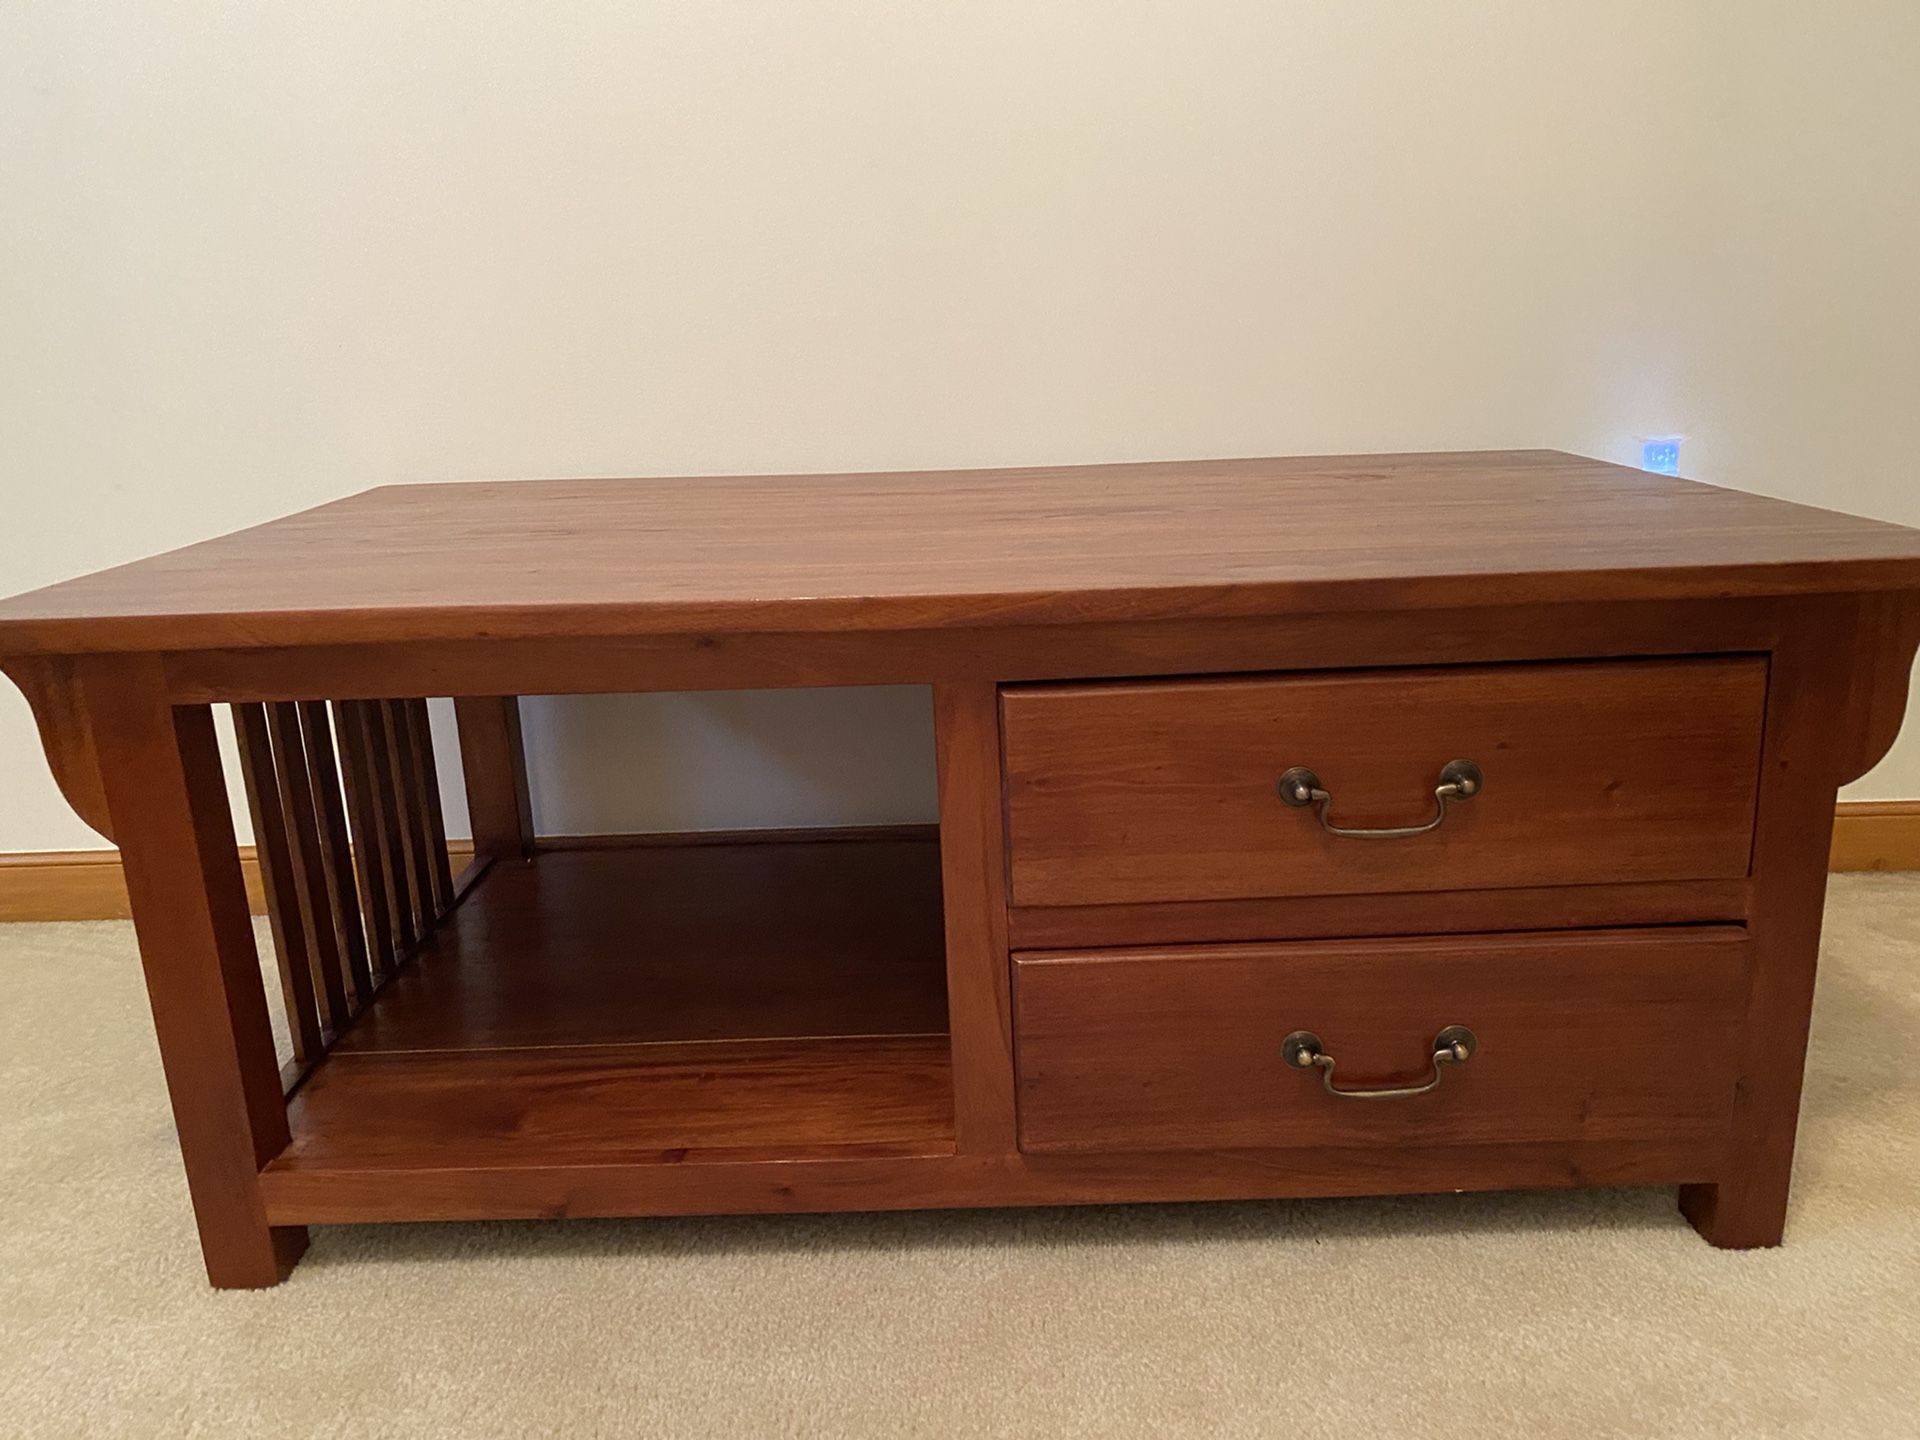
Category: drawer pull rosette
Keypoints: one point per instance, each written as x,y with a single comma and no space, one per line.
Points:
1460,781
1302,1050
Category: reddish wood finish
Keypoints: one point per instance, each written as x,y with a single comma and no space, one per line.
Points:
1626,771
323,777
430,822
678,1027
313,887
51,685
330,908
664,943
403,761
972,851
1319,917
277,880
494,764
382,910
1883,631
645,1104
1195,539
1013,653
1595,1035
385,786
1805,762
168,803
345,1192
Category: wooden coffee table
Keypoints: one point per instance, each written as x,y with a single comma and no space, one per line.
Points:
1306,827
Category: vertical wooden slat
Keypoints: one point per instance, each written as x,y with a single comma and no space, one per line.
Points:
493,760
378,908
406,789
277,880
309,860
434,821
323,774
386,792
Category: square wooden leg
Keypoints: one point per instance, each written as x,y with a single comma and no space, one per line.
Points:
980,1009
1746,1207
1745,1214
494,759
167,799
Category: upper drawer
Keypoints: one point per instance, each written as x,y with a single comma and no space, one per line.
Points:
1608,771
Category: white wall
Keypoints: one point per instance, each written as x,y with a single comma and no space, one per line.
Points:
252,257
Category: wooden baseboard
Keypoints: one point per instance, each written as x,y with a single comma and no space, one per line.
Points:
87,885
1876,835
78,885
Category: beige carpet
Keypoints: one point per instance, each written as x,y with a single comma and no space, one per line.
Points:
1526,1315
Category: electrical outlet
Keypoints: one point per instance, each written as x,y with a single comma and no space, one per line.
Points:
1661,453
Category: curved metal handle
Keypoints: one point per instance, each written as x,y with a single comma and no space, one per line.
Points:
1302,1050
1460,781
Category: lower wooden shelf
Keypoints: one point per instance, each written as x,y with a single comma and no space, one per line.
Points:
664,1103
745,1027
653,1005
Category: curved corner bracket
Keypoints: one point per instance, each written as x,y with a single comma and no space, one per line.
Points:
53,691
1885,639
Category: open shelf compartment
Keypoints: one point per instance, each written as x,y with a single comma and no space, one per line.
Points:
649,1002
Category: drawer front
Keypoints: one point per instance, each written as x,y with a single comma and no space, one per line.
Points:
1591,773
1597,1036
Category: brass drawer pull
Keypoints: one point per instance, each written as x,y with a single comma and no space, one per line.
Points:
1460,780
1454,1045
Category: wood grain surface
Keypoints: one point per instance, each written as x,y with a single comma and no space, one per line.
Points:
966,721
343,1189
1806,759
1664,682
1616,1035
493,765
168,801
1629,771
932,549
666,1104
678,942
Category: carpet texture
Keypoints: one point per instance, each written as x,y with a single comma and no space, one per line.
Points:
1536,1315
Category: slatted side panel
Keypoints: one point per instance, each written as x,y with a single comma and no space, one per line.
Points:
277,880
391,819
372,867
308,851
432,820
353,850
323,777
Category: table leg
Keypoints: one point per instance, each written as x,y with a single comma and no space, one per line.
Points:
1747,1206
167,797
973,869
495,762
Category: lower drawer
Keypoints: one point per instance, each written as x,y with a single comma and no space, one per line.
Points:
1614,1035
